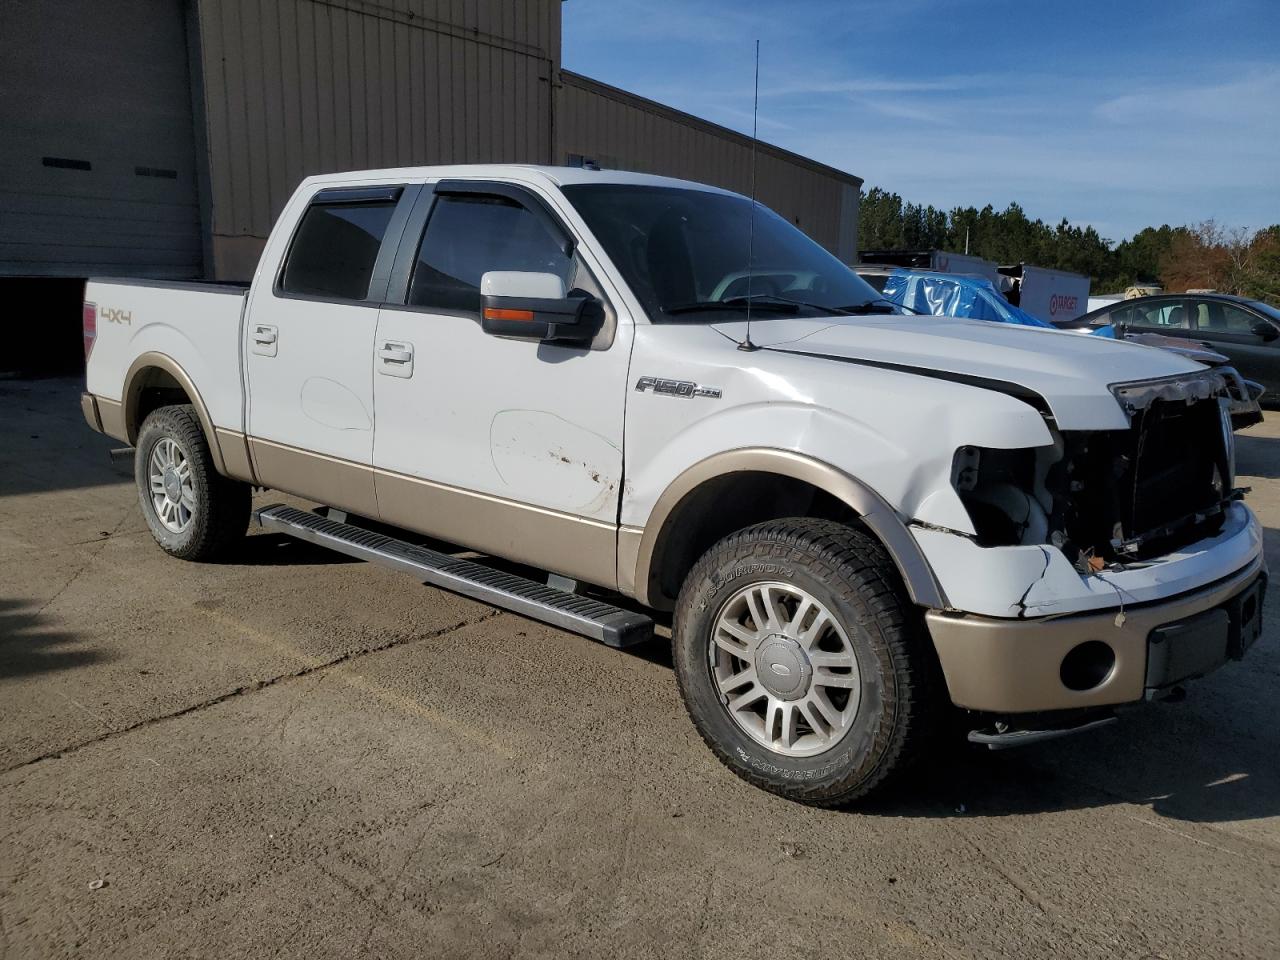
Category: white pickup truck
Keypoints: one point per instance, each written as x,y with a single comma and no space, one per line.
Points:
657,395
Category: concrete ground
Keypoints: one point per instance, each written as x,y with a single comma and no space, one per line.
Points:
291,755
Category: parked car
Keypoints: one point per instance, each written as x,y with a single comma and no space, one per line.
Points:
1246,331
858,517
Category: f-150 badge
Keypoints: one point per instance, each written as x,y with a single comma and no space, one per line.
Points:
676,388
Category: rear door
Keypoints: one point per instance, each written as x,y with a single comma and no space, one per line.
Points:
1234,330
309,346
508,446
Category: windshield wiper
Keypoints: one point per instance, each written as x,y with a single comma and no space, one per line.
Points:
757,302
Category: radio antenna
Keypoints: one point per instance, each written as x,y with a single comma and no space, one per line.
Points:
746,343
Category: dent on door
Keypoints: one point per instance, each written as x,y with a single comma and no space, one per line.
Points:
331,404
542,457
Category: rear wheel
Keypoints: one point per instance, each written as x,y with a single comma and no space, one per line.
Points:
802,662
194,512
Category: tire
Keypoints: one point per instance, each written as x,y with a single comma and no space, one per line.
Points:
211,513
867,701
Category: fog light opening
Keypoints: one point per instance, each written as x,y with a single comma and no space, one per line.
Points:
1087,665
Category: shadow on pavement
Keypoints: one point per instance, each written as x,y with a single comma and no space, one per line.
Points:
26,649
1149,759
1257,456
280,550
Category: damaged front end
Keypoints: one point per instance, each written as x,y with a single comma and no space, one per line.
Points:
1112,497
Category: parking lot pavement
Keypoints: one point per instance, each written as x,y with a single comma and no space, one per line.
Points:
292,755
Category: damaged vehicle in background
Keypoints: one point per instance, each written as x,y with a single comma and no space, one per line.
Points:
976,298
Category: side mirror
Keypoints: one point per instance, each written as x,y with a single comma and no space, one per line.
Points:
533,306
1265,330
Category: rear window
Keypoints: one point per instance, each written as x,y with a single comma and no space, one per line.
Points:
335,248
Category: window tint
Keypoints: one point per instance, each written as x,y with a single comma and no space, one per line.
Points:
334,250
466,237
1166,314
1223,317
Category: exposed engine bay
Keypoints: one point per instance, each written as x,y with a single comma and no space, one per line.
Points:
1109,497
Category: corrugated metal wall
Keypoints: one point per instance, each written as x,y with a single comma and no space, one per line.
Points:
620,130
297,87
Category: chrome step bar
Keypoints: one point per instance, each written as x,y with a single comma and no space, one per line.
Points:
592,618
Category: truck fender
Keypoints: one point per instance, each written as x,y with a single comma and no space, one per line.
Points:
638,548
136,380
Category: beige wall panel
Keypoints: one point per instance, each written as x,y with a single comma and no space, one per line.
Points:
298,87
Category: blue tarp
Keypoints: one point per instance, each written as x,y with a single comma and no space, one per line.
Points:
954,295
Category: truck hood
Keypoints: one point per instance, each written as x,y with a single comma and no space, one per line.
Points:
1069,375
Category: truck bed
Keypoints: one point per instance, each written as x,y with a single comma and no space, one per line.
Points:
195,324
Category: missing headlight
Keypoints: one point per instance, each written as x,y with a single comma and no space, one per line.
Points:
1106,496
996,488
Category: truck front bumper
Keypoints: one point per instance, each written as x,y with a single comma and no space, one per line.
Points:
1099,658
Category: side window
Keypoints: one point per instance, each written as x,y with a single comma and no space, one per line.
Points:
334,249
1168,314
1120,317
467,236
1223,317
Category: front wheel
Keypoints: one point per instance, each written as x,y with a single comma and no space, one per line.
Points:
193,511
802,662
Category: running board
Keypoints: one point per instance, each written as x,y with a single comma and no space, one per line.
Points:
592,618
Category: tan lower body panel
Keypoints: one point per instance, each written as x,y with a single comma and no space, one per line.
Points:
89,407
571,546
111,415
1014,666
630,542
235,454
328,480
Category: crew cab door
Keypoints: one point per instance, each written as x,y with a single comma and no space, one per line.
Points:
309,335
512,447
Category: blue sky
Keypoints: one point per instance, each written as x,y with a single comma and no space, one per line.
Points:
1119,114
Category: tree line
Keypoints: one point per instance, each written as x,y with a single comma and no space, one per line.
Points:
1197,256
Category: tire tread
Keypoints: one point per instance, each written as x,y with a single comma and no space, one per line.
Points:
859,564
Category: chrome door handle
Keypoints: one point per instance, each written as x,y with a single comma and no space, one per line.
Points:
397,356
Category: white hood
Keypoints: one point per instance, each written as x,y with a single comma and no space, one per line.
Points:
1073,374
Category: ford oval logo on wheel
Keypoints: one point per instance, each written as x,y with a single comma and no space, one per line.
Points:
781,669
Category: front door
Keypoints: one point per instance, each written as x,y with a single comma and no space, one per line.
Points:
309,349
1251,342
510,447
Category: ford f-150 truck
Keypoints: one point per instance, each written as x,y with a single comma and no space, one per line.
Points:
653,395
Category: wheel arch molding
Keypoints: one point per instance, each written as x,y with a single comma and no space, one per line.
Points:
645,553
153,369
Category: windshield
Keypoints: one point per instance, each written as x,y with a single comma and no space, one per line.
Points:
681,250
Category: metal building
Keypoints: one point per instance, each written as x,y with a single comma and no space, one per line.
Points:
160,138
